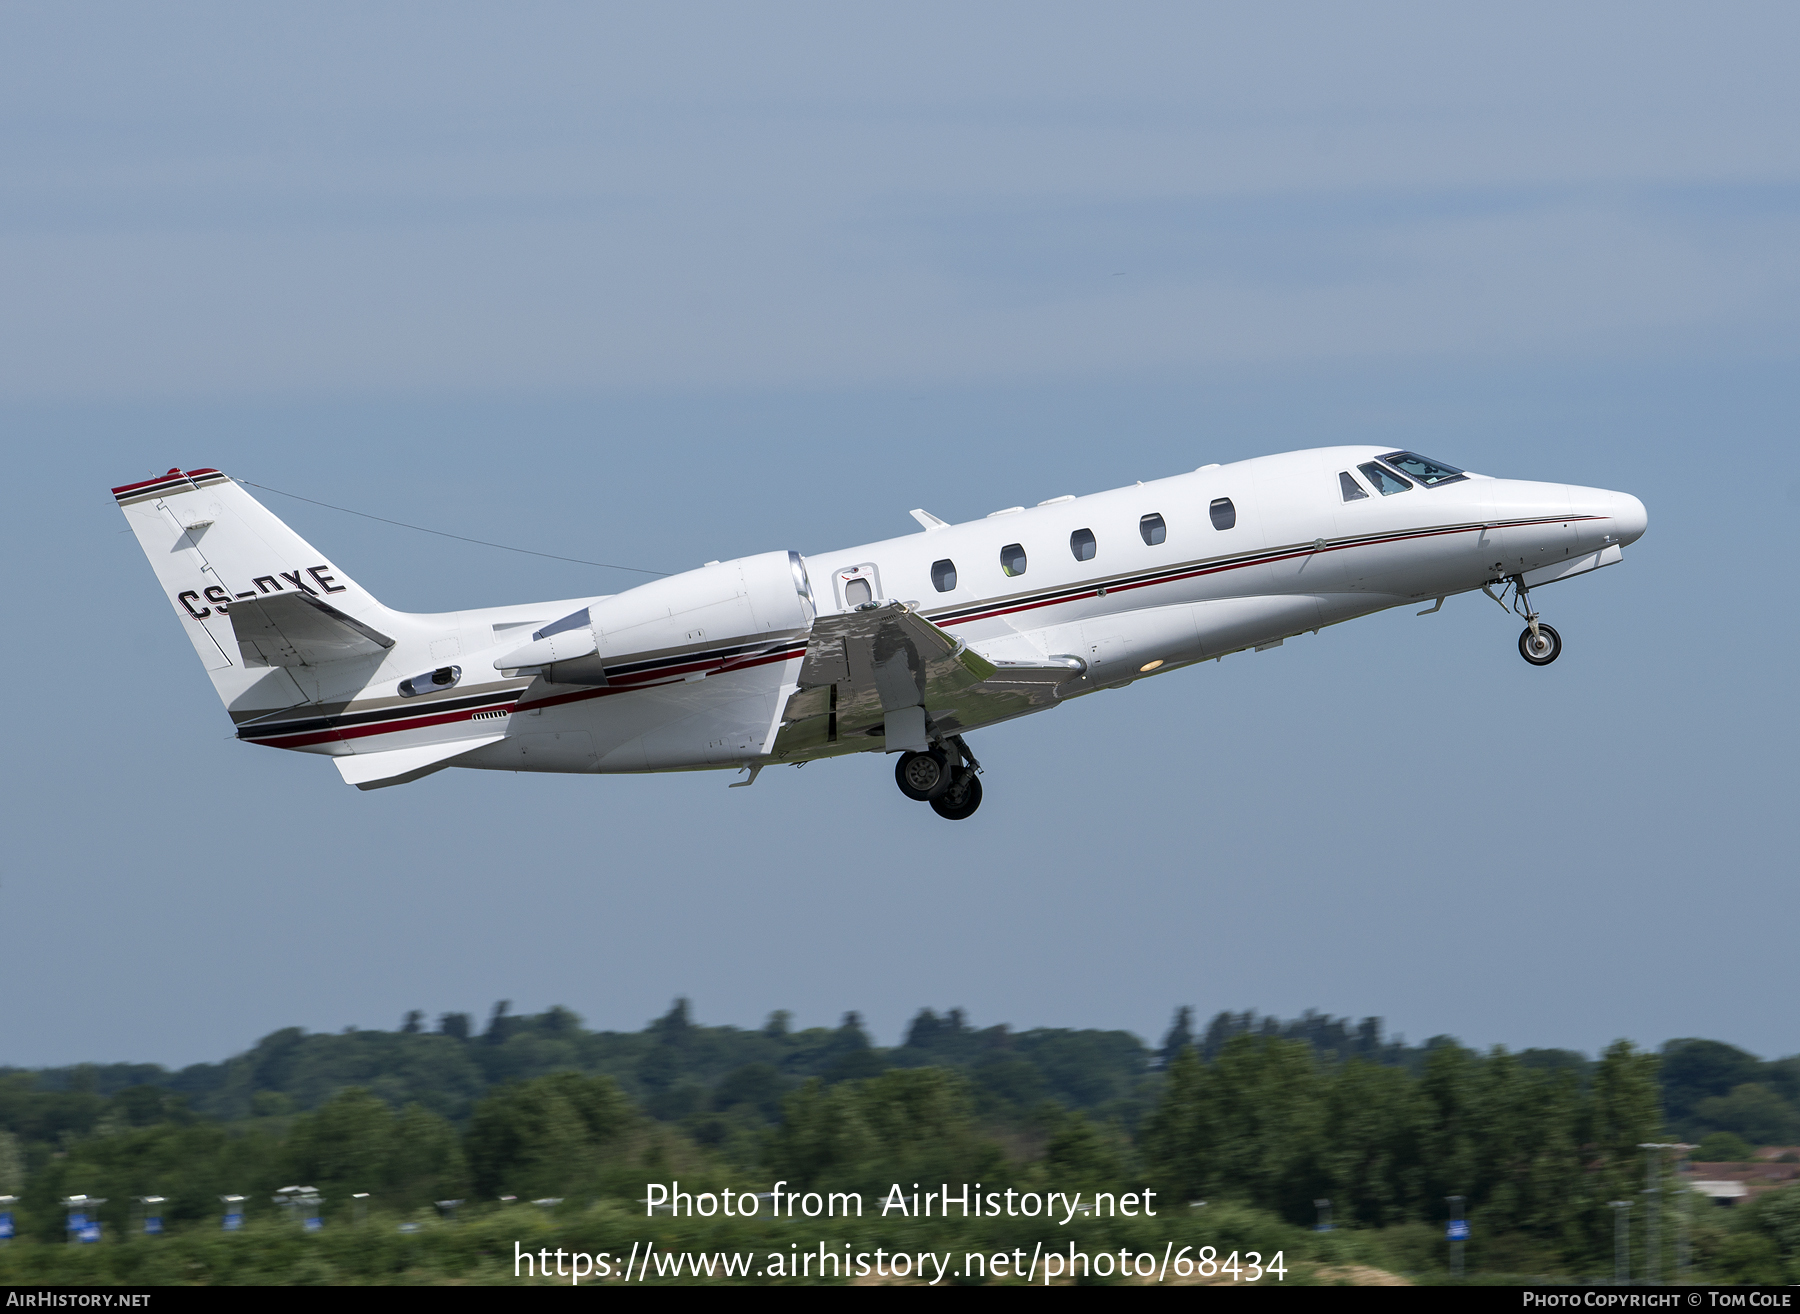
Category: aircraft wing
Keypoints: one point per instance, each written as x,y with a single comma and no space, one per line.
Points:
887,672
295,629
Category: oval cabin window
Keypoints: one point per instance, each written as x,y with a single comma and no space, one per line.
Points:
1223,513
1081,543
1012,559
1153,530
943,575
857,592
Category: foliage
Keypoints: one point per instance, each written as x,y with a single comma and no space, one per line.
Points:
1710,1086
1723,1147
1244,1124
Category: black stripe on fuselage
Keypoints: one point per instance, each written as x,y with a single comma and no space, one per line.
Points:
403,711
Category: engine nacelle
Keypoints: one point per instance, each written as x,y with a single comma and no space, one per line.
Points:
741,601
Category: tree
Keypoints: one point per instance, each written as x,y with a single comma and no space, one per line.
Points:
1079,1155
1692,1070
499,1026
546,1137
12,1165
1177,1138
1722,1147
1179,1037
1754,1112
912,1124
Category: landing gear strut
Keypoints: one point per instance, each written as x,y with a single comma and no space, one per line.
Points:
1539,644
944,777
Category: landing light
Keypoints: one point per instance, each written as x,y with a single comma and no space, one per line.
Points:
1150,666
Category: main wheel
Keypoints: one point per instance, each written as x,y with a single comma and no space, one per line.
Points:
962,798
922,776
1546,649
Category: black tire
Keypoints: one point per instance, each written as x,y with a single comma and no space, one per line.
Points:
962,798
922,776
1546,651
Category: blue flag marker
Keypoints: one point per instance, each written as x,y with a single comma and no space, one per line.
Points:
6,1226
233,1222
1458,1230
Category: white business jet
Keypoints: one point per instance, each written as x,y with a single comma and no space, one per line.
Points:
901,646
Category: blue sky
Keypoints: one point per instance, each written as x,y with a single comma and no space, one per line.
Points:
657,286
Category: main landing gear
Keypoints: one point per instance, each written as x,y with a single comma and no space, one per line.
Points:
951,787
1539,644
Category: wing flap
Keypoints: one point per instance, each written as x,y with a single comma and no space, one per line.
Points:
867,668
295,629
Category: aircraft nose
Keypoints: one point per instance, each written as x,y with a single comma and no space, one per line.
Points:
1628,518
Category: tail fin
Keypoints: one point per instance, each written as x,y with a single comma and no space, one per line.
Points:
214,547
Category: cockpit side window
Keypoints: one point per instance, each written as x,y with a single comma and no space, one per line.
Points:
1386,482
1353,491
1429,473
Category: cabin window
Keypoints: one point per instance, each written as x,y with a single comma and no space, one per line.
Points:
1152,529
1081,543
1386,482
1353,491
443,678
1429,473
943,575
1223,513
1012,559
857,592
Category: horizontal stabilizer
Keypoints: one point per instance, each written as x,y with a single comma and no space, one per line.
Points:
297,629
397,766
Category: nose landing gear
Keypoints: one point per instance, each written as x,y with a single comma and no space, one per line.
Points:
951,787
1539,644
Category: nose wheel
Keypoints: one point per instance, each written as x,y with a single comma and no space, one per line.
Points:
952,787
1539,644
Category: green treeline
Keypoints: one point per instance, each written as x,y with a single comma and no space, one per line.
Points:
1251,1115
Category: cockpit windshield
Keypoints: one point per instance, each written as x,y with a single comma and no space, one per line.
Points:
1385,481
1429,473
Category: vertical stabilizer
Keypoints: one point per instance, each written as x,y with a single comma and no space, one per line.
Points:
212,545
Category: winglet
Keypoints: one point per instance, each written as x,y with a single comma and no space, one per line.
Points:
928,520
